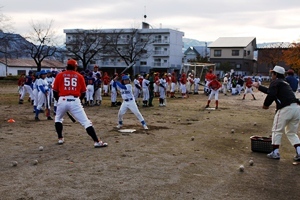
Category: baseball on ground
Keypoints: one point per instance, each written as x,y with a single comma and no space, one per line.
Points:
14,163
251,162
35,162
242,168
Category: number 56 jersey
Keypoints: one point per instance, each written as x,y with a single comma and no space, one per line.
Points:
69,83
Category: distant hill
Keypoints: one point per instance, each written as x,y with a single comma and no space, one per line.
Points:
12,45
192,43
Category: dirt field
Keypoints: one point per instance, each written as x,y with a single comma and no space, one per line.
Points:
160,163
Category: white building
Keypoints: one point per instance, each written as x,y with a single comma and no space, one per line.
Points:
18,66
164,52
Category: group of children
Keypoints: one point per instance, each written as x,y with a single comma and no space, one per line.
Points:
39,87
233,83
145,87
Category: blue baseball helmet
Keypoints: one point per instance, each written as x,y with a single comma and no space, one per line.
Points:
43,72
125,77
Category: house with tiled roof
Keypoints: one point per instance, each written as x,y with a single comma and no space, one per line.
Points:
236,53
20,66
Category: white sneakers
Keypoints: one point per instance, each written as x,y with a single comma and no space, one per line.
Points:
145,127
274,155
96,144
119,126
60,140
100,144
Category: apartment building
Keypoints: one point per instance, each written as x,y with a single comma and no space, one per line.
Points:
236,53
163,51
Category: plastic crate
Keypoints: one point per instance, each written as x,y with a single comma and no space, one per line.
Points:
261,144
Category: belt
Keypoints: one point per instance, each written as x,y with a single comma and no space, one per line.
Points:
128,99
69,96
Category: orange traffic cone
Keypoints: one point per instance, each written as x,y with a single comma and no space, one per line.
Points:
11,120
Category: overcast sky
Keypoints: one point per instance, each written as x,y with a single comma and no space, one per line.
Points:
267,20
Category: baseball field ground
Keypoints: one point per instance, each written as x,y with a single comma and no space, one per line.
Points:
187,153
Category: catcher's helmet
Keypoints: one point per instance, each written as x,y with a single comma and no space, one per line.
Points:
72,63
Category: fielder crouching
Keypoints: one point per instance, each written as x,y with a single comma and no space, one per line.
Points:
68,86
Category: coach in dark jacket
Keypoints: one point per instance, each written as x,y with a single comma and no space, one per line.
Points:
287,115
291,79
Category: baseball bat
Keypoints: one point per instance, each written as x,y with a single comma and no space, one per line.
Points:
130,65
47,111
71,117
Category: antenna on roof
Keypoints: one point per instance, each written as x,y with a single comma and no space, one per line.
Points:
145,15
145,25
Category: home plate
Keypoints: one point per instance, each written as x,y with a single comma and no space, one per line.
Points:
127,130
210,108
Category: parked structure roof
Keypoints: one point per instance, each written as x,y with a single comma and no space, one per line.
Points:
231,42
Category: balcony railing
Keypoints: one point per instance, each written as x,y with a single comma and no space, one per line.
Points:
160,53
111,64
161,41
160,64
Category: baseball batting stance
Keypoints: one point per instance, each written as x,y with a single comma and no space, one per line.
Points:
214,85
128,101
67,88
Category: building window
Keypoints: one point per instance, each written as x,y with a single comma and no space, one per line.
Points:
143,63
248,52
238,66
235,53
20,72
218,65
244,52
217,53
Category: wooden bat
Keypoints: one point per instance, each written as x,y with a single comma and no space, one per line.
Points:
71,117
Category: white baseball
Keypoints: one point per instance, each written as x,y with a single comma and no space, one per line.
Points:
41,148
232,130
251,162
14,163
192,138
242,168
35,162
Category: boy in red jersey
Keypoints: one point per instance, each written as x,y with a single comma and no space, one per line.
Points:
248,88
68,89
214,85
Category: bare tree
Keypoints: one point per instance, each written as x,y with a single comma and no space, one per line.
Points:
131,45
5,22
87,45
42,42
5,26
